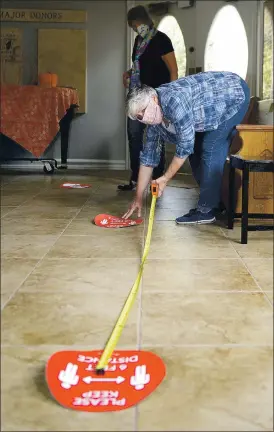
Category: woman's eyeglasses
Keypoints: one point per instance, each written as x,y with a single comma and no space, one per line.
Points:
140,116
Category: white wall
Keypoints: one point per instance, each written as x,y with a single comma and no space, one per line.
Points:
99,134
195,23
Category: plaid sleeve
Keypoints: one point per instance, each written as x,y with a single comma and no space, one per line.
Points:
180,114
150,156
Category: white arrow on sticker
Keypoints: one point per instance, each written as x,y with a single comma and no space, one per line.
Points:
118,380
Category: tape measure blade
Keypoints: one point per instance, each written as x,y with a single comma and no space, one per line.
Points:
121,321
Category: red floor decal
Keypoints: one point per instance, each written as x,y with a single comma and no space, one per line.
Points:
75,186
129,378
108,221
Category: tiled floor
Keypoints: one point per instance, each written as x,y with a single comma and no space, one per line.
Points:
205,307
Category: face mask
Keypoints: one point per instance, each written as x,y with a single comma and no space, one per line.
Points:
153,114
142,30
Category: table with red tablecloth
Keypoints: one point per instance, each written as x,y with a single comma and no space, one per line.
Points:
31,115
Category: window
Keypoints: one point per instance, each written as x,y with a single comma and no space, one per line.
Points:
227,46
171,28
268,52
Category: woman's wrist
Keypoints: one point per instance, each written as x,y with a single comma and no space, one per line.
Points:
165,177
139,194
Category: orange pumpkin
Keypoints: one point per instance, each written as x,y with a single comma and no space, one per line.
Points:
48,79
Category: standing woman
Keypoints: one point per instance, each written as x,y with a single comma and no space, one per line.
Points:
154,64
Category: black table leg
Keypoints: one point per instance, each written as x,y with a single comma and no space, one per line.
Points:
231,197
245,183
65,124
64,144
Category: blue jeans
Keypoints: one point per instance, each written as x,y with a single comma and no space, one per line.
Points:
209,157
135,131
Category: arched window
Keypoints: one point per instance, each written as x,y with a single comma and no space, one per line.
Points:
227,45
268,52
171,28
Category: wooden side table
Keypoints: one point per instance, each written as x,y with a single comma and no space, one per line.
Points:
252,140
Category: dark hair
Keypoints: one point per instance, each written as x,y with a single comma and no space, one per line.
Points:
139,13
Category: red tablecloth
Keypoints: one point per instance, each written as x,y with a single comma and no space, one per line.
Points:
30,115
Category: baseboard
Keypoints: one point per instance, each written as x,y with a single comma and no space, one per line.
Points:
72,164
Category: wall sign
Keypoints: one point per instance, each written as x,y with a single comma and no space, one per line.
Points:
46,16
11,44
11,56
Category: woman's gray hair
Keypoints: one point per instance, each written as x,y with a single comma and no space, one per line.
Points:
138,99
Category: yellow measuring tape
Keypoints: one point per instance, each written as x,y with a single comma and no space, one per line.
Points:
120,323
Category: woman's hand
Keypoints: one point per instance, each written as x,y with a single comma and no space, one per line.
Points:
161,182
137,204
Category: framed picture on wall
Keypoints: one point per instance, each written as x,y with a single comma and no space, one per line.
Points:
11,56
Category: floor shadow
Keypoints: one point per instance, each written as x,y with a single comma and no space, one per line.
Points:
41,385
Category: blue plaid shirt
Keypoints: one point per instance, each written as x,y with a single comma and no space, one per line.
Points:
196,103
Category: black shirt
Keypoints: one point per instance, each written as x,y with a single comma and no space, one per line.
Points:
153,70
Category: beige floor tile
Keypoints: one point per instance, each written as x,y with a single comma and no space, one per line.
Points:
76,178
116,245
26,246
109,189
6,178
32,180
260,243
262,271
5,296
66,194
203,318
269,294
13,200
13,273
24,187
212,390
46,212
30,226
110,199
177,184
27,404
30,177
259,249
178,205
170,214
170,229
197,275
65,318
97,178
58,201
179,193
194,247
6,210
8,191
112,275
